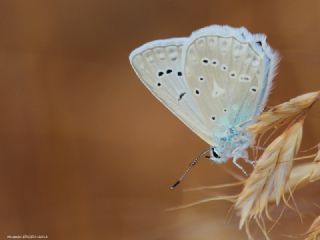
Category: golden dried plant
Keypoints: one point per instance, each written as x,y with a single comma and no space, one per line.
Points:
300,176
314,231
270,175
275,177
279,113
317,158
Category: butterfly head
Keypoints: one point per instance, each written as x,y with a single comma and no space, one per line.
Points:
233,143
217,155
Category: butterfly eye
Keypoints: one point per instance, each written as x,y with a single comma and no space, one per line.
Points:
214,153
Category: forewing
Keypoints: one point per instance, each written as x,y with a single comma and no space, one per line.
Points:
159,66
229,72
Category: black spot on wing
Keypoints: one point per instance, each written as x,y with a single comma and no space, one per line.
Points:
181,96
169,71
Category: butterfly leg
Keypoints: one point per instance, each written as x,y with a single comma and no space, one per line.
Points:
244,155
251,162
259,148
235,159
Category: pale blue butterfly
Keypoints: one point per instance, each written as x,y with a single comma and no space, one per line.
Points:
217,82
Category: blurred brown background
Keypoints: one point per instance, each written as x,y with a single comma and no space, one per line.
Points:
86,152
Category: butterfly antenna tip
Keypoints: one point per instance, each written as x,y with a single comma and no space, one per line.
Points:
175,184
193,163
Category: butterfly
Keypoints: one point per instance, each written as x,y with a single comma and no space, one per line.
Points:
216,81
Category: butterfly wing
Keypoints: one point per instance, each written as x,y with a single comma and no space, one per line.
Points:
159,66
229,71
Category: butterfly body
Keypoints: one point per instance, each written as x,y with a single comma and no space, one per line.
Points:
233,144
216,81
